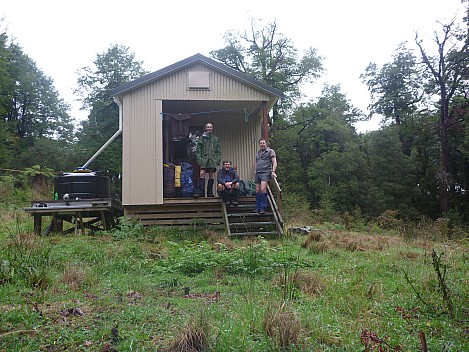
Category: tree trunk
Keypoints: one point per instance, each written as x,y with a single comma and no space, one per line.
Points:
443,174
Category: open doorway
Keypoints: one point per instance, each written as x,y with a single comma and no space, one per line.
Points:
180,163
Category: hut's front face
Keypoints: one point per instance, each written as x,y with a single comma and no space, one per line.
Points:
153,134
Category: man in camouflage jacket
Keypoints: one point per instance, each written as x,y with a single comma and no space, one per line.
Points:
208,155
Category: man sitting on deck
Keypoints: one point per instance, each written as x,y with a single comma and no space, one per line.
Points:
228,184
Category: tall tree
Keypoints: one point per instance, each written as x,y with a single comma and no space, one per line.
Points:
425,152
112,68
396,92
458,135
6,82
6,90
272,58
448,69
32,113
396,87
35,109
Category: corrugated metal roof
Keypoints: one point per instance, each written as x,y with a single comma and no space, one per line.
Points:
144,80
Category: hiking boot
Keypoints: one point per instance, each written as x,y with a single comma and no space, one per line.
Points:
223,197
201,192
234,197
210,188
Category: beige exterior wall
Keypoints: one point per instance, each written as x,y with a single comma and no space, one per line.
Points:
142,159
142,177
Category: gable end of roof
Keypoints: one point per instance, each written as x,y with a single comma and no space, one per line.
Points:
126,87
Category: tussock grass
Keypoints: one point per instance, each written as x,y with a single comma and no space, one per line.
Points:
282,325
76,277
354,242
194,337
316,247
318,242
310,283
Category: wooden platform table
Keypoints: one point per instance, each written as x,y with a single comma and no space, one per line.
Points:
82,213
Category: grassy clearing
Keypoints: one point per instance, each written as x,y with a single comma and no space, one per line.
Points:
150,289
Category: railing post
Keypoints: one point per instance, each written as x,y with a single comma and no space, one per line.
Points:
278,190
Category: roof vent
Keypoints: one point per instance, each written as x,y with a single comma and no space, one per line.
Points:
199,80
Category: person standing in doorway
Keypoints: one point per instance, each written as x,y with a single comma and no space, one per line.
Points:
208,155
266,166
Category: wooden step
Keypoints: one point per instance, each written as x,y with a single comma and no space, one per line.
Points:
242,221
255,223
241,206
231,215
249,228
257,233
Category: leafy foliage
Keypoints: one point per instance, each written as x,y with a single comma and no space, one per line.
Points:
192,259
32,113
394,174
320,147
396,87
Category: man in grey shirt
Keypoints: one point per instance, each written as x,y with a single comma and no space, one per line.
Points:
266,165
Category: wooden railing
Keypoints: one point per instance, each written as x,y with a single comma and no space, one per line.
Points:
275,199
278,191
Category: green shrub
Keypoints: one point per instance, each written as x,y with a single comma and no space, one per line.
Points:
389,220
7,187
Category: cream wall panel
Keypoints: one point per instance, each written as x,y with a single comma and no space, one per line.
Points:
142,166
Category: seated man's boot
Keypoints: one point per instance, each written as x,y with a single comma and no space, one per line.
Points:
223,196
234,197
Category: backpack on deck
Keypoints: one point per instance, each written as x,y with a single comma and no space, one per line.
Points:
247,188
187,186
169,189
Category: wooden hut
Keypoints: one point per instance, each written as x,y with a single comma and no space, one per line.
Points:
197,90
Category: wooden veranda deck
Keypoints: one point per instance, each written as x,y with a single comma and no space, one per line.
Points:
211,213
102,214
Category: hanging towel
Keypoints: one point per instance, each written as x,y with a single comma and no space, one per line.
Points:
179,124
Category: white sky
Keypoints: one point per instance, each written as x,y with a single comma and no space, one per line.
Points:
62,36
